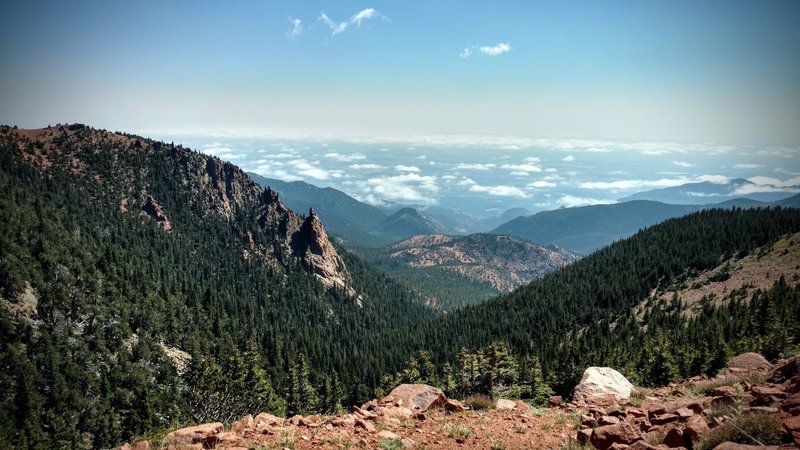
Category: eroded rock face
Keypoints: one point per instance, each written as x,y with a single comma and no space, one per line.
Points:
598,384
305,239
311,244
420,397
153,209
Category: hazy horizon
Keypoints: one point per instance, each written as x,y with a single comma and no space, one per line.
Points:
473,106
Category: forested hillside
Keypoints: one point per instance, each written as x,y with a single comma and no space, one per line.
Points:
583,314
97,278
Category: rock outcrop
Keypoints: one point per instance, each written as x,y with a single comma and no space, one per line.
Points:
311,244
306,239
601,386
153,209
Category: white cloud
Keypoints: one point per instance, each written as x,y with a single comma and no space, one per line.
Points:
295,29
345,158
448,177
762,180
571,201
542,184
768,184
355,20
308,169
747,166
404,168
494,50
475,166
634,184
716,179
366,166
408,188
568,158
528,168
488,50
499,191
682,164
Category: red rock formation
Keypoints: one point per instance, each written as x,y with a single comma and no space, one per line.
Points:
154,210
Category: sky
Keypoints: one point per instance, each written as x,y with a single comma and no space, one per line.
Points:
628,93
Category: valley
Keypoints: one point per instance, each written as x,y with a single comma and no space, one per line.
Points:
247,306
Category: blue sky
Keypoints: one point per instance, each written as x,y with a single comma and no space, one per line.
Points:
682,71
478,105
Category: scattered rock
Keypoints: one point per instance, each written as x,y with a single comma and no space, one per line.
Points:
555,401
598,383
419,396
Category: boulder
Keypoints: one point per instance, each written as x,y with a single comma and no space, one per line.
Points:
749,361
505,404
786,370
696,428
735,446
203,434
418,396
386,434
792,426
622,433
599,384
674,438
267,419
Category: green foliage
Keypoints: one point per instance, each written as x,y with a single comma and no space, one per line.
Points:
455,431
751,429
391,444
479,401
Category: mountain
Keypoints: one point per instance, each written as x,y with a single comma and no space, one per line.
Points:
490,223
503,262
707,192
144,284
450,221
450,272
791,202
408,222
343,215
584,229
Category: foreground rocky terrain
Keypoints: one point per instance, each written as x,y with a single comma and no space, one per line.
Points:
751,404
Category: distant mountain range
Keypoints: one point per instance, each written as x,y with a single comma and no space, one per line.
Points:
707,192
579,229
363,225
585,229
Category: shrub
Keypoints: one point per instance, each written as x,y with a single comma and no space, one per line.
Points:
575,445
455,431
479,401
498,445
391,444
753,429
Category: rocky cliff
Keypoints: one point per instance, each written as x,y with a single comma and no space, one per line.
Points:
121,166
